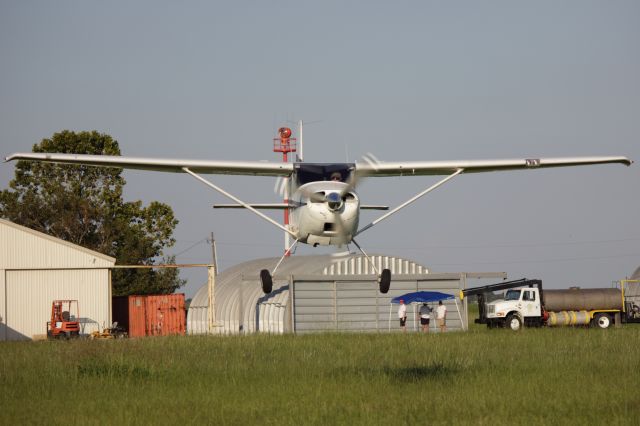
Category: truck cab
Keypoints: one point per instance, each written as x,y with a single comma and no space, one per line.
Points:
519,307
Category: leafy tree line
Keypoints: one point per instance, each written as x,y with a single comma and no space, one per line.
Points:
84,205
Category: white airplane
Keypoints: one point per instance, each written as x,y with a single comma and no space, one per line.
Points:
324,206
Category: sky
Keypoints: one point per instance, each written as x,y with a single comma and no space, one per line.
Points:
404,80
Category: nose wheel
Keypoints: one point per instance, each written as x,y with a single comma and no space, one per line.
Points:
385,281
266,280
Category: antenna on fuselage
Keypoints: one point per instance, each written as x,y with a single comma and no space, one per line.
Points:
300,153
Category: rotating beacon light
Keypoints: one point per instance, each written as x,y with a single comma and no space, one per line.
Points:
285,144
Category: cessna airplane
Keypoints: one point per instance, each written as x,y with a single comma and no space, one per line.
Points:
324,206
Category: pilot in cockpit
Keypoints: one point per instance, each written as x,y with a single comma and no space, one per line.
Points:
336,177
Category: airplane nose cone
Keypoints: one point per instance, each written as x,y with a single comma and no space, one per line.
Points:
334,200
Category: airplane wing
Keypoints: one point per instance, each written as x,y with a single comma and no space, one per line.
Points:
260,168
256,168
418,168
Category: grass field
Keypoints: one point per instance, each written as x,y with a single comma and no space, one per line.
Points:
492,377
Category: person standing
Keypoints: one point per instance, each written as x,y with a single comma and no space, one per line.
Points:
441,316
402,315
425,317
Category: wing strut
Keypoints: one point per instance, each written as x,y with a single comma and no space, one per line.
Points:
286,253
237,200
411,200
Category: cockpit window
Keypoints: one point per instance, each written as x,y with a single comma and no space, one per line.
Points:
313,172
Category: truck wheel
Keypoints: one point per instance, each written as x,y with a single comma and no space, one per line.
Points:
602,321
513,322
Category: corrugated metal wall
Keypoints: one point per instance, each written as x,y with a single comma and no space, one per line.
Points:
150,315
354,303
30,293
313,293
31,277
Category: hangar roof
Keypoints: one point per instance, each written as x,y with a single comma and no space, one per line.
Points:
18,247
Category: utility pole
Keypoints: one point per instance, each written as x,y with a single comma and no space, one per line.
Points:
211,287
214,254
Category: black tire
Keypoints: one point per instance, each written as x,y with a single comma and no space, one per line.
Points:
602,321
266,281
513,322
385,281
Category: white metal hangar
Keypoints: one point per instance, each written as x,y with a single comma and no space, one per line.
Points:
36,269
315,293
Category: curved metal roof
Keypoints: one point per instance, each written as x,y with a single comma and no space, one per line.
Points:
241,306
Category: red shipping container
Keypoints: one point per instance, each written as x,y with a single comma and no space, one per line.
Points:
154,315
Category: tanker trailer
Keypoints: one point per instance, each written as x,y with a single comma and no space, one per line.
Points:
590,306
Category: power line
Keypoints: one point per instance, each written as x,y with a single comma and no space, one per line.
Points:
190,247
511,244
557,260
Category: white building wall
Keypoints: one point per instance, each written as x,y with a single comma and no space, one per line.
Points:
33,274
30,294
3,307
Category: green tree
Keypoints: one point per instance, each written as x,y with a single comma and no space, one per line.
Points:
84,205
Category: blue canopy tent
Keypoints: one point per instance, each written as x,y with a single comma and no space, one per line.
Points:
423,297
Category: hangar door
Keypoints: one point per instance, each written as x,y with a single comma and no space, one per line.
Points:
353,303
27,296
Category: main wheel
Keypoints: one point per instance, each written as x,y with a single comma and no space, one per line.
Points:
513,322
266,281
602,321
385,281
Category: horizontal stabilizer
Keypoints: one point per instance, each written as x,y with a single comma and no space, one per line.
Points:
373,207
282,206
263,206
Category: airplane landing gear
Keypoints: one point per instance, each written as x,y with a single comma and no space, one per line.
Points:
385,281
266,277
266,280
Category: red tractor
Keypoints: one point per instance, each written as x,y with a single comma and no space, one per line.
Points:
64,322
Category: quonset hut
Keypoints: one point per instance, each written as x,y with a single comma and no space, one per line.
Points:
314,293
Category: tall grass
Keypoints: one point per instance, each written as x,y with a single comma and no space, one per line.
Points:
493,377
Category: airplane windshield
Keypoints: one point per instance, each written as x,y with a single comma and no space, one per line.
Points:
512,295
313,172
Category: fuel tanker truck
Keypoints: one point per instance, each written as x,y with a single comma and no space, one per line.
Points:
525,303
